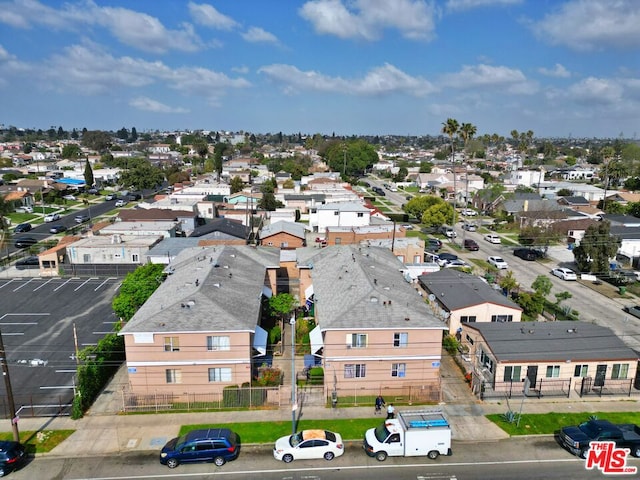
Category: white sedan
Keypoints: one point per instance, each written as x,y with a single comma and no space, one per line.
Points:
467,212
564,273
52,217
308,444
492,238
498,262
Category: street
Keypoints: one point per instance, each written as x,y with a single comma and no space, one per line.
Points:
523,458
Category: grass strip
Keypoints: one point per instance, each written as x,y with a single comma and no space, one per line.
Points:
548,423
269,432
39,442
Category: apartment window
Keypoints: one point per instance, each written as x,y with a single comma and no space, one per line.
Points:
502,318
355,370
220,374
171,344
135,258
553,371
360,214
581,371
356,340
400,339
173,376
398,369
512,374
469,339
619,371
338,241
218,343
86,258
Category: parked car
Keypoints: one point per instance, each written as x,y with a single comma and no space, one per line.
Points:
577,439
121,202
455,264
82,218
471,245
448,231
93,191
492,238
69,197
308,444
469,227
52,217
57,228
633,310
22,228
109,197
24,209
13,455
528,254
444,258
468,212
433,245
498,262
28,262
217,445
134,196
24,242
564,273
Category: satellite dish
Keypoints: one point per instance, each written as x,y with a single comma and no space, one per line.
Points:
432,297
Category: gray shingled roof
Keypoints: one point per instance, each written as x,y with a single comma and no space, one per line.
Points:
222,225
456,290
552,341
295,229
227,296
362,287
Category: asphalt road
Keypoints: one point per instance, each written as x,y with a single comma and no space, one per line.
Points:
37,322
534,458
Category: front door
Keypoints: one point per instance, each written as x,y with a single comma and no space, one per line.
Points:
532,375
601,373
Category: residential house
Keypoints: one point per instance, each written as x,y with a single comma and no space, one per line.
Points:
283,235
339,215
548,358
222,231
550,189
187,219
357,235
458,298
408,250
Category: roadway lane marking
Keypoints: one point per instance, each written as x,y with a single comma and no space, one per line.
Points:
103,283
45,283
62,285
23,285
84,283
58,387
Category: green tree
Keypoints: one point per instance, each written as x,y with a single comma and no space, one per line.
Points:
353,157
136,288
282,305
417,205
438,214
96,140
88,174
426,167
508,282
596,249
71,150
532,304
141,176
5,232
268,201
219,151
201,147
542,285
236,184
451,128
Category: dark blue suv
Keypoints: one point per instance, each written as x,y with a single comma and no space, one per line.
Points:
12,456
217,445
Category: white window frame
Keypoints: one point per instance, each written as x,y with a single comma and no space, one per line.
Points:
581,370
619,371
171,344
173,375
399,370
357,340
355,370
553,371
217,343
220,374
400,339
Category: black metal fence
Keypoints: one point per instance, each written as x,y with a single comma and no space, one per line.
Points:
543,387
586,387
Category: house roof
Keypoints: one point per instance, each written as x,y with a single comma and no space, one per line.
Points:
363,287
456,290
222,225
210,289
573,200
344,207
295,229
153,214
552,341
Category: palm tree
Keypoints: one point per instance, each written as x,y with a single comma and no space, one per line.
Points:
607,153
467,131
451,128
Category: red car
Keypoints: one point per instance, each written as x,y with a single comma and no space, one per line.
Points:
471,245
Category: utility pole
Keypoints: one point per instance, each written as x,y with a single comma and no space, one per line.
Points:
294,406
7,384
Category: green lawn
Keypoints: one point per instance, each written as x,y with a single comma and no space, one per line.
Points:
39,442
548,423
269,432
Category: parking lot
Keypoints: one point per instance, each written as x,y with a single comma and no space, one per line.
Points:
37,322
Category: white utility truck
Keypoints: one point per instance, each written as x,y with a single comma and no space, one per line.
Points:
412,433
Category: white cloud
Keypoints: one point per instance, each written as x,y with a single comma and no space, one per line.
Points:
367,19
258,35
596,91
150,105
456,5
208,16
592,25
489,77
557,71
242,70
383,80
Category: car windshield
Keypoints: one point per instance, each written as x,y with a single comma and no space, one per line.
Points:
498,260
295,439
381,432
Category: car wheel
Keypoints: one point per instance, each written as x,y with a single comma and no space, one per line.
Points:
381,456
1,471
287,458
219,461
433,454
584,453
329,456
172,463
636,452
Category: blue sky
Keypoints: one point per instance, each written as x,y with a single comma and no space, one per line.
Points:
557,67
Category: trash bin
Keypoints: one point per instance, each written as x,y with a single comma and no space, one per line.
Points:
622,290
334,399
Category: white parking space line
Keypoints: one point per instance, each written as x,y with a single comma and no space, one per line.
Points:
62,285
7,283
66,371
84,283
102,333
23,285
104,283
58,387
118,285
5,334
45,283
